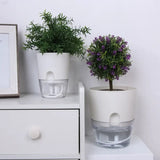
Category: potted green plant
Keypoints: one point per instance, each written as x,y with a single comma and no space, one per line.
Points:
55,40
112,108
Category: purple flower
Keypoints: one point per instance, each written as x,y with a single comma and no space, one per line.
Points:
104,67
124,68
117,77
120,50
114,66
114,52
123,46
128,56
99,66
89,63
112,73
92,74
119,39
93,53
98,59
103,48
112,36
106,79
108,39
98,54
95,40
101,38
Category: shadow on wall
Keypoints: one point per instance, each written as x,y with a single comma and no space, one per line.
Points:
28,72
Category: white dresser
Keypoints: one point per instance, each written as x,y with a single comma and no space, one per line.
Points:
32,127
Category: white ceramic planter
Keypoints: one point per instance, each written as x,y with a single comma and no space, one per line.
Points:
53,72
112,114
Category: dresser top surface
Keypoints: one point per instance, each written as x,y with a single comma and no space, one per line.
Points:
35,101
137,150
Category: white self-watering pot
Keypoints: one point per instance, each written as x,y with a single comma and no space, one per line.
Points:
112,114
53,74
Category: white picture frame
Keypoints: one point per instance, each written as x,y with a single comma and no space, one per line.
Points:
8,61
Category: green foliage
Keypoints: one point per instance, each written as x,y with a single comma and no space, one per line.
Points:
108,58
56,34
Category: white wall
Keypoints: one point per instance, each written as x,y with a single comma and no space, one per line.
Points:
137,21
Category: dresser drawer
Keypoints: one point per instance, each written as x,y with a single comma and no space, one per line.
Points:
39,132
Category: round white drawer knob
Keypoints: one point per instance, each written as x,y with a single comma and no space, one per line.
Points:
34,133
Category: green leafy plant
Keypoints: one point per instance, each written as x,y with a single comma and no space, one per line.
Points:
108,58
56,34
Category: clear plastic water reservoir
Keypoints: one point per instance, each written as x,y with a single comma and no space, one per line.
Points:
112,135
53,88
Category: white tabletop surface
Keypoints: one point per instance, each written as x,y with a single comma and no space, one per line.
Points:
137,150
35,101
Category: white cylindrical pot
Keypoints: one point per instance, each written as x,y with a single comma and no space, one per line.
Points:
53,72
105,104
57,64
112,114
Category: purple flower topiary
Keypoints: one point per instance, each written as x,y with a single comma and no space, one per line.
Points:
110,58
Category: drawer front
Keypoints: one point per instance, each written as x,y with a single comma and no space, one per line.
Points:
52,132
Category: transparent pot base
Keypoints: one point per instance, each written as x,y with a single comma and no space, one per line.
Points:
109,136
53,88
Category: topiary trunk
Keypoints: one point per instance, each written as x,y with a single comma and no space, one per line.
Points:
110,85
